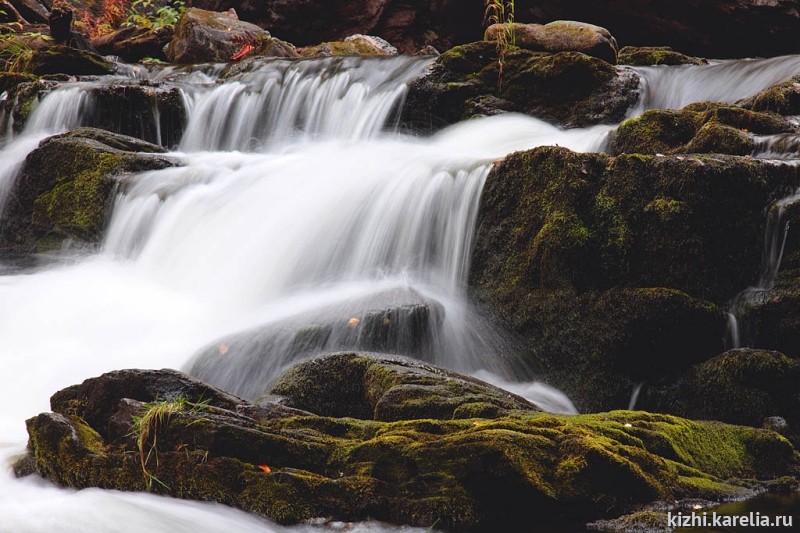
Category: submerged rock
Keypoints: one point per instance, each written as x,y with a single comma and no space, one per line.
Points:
206,36
567,88
557,36
783,98
247,363
66,186
292,466
611,269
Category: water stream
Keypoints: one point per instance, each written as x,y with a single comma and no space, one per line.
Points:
297,202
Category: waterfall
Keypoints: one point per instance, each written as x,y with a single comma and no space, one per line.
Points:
298,209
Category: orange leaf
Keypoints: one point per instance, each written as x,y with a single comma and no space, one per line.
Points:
246,49
265,468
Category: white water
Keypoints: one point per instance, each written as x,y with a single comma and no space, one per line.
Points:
322,211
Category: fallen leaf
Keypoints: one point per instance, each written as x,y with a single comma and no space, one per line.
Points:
265,468
223,349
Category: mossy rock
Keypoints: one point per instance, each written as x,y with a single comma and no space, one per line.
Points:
567,88
388,388
9,80
454,474
655,55
742,386
782,98
355,45
698,128
66,186
613,271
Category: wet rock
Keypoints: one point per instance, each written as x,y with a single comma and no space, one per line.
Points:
134,43
613,271
68,60
568,88
475,473
558,36
144,109
697,128
66,185
655,55
247,363
389,388
742,386
777,424
783,98
355,45
207,36
24,92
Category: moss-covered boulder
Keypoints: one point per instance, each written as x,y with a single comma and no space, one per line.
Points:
23,93
557,36
134,43
567,88
783,98
206,36
698,128
616,270
474,473
390,388
743,386
66,186
655,55
354,45
37,54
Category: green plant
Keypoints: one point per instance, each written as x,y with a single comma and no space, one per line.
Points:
154,416
144,13
15,54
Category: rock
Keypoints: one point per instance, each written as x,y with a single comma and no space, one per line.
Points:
133,43
145,109
713,28
206,36
24,92
475,473
777,424
66,185
60,21
783,98
247,363
559,36
355,45
568,88
389,388
611,271
743,386
408,25
697,128
67,60
655,55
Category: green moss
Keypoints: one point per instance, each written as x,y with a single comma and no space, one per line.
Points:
655,55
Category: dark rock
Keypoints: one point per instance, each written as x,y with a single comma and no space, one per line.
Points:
133,43
602,266
712,28
67,60
388,388
458,474
247,363
655,55
148,110
408,25
23,96
568,88
558,36
697,128
777,424
783,98
742,386
60,21
207,36
66,187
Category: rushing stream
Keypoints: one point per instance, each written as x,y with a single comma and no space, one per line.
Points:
297,202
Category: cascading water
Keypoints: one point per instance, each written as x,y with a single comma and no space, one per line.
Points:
293,208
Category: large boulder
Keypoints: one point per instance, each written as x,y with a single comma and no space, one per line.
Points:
354,45
655,55
567,88
207,36
133,43
615,270
472,473
66,186
557,36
